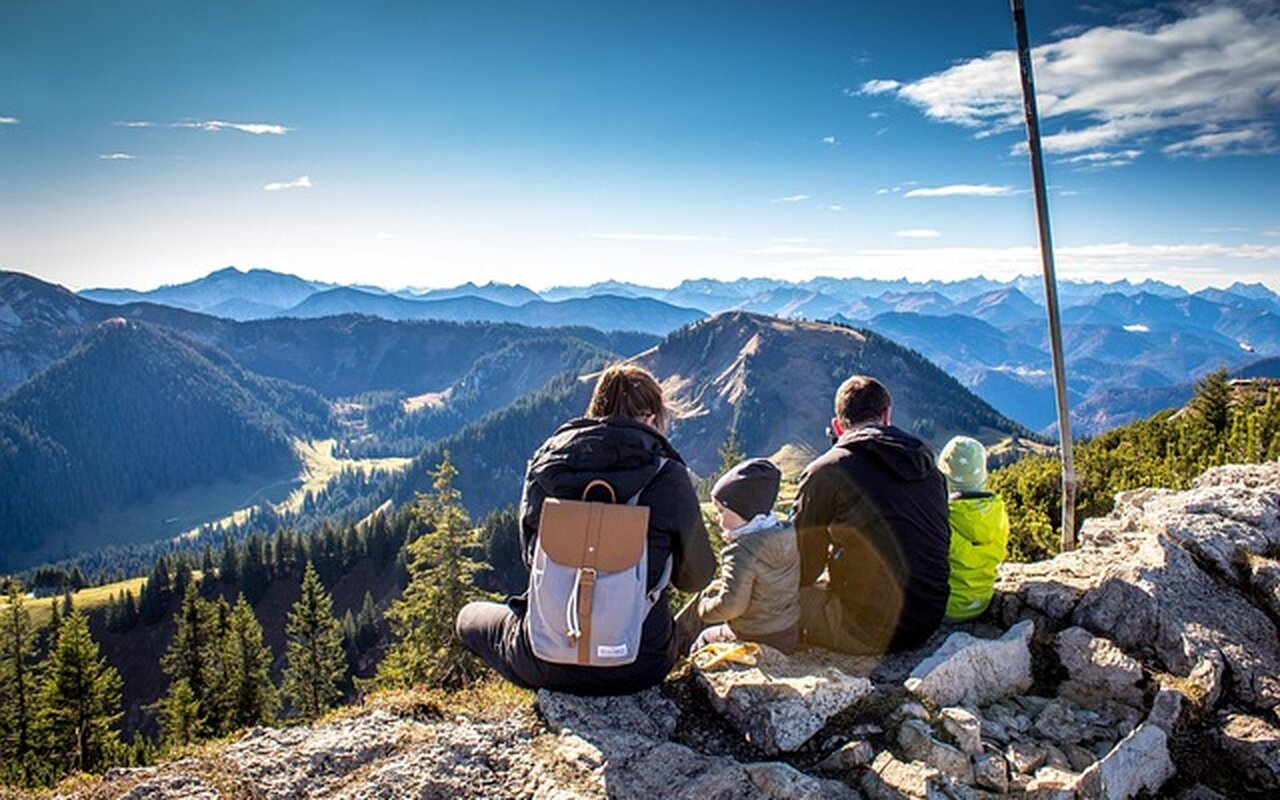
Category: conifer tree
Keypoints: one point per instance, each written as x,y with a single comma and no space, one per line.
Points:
229,564
18,708
1212,401
181,721
441,570
79,701
316,663
252,696
190,662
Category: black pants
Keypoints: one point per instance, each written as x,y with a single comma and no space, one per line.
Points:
495,632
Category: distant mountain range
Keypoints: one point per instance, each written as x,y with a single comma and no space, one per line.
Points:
990,334
770,381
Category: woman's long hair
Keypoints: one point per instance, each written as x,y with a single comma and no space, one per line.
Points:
625,390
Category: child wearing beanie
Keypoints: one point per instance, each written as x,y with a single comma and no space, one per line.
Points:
979,528
757,596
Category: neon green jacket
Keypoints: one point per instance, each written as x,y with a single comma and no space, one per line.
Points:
979,542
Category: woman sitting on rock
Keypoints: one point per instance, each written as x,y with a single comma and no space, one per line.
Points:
575,641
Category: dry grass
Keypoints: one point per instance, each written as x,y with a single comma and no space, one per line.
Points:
490,700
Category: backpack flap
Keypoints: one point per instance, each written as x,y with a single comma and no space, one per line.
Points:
573,533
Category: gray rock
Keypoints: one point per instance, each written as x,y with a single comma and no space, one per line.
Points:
851,755
649,713
1050,781
1061,722
991,771
1024,757
1079,758
1251,745
1166,709
918,744
891,779
784,782
1140,762
777,704
968,670
1098,669
964,727
1199,792
1152,577
169,785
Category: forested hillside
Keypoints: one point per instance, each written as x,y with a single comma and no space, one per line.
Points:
131,413
1226,422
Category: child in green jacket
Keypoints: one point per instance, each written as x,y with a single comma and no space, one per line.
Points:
979,528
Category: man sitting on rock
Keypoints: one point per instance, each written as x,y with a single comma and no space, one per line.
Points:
872,513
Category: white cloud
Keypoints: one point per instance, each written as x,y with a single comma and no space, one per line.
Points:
882,191
918,233
834,208
794,240
875,115
829,140
9,120
879,87
1137,328
791,198
964,190
139,123
656,237
1271,232
788,250
256,128
116,156
1246,141
297,183
1103,159
1112,86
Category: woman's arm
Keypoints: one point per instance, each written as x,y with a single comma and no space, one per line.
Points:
695,564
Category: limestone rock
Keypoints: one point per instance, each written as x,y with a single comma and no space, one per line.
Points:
991,771
851,755
1062,722
917,742
970,670
778,704
891,779
1025,757
785,782
1252,746
1140,762
964,727
649,713
1098,669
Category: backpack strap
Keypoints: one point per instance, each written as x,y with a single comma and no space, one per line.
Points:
655,594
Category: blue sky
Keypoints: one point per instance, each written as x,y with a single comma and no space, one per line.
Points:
427,143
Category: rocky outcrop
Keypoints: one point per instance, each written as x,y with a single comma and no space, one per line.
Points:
1145,663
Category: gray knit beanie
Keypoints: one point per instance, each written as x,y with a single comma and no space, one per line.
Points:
750,488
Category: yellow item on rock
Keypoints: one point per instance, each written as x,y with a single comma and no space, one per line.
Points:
715,654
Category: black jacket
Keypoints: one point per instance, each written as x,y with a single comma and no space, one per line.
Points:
626,454
873,509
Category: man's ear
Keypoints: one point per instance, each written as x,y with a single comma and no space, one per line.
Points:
837,426
887,416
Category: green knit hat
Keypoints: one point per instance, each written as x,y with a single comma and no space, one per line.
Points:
964,462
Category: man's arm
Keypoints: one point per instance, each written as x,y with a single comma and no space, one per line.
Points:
813,512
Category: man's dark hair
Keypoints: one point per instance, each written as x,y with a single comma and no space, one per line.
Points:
861,399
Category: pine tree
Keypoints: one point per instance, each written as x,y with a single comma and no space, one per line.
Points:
1212,401
316,664
253,699
190,661
181,720
18,709
229,564
441,582
79,701
730,453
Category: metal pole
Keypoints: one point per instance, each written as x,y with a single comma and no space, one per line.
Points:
1050,276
